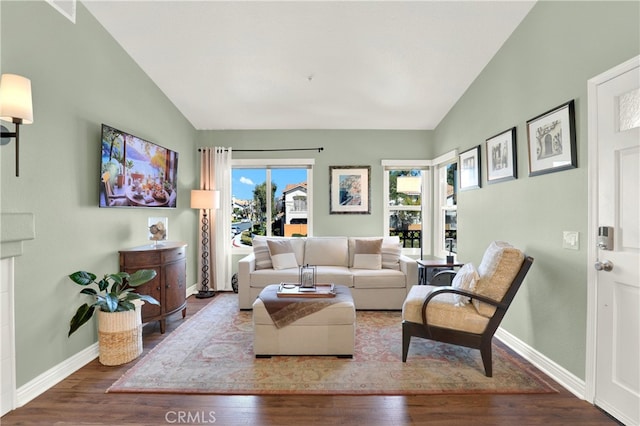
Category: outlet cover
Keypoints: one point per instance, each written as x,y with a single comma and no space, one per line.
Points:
571,240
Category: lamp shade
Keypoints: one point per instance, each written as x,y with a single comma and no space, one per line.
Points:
411,185
15,99
205,199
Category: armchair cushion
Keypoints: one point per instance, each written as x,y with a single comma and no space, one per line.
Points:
500,265
442,311
465,279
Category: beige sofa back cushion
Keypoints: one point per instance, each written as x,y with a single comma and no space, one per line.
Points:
500,265
326,251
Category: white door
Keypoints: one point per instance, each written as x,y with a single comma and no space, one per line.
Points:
616,275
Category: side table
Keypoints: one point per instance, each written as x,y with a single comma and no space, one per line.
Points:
426,265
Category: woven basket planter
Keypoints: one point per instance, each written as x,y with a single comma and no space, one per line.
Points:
119,336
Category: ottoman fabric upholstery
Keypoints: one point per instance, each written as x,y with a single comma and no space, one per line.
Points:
330,331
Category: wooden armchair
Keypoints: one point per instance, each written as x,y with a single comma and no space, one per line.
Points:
468,312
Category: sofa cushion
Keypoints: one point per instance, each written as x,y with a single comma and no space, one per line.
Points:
368,254
261,252
334,275
282,255
326,251
465,279
500,265
263,277
442,311
378,278
391,252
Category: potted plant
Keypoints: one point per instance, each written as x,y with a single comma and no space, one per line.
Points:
119,315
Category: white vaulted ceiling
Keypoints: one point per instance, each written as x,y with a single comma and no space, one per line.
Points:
311,64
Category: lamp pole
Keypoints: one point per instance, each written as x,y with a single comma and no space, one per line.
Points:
205,200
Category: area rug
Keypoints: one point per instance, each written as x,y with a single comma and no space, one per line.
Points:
212,353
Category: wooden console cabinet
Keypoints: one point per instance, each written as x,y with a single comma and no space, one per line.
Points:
169,260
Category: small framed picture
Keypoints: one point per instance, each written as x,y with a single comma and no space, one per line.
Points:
501,157
349,189
469,164
552,140
158,228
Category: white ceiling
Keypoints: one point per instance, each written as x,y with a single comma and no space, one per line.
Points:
311,64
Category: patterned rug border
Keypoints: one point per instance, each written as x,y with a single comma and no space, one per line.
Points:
542,385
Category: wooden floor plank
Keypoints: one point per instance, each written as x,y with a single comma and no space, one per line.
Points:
81,400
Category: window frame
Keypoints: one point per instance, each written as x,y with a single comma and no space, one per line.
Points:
269,164
440,165
425,167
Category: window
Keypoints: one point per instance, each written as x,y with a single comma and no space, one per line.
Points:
406,189
445,205
284,210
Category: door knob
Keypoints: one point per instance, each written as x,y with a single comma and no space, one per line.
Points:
604,266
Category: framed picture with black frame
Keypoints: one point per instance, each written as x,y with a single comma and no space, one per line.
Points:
501,157
469,166
552,140
349,189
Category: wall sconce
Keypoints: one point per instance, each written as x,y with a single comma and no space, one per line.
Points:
15,107
205,200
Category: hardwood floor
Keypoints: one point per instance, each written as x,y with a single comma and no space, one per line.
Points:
81,400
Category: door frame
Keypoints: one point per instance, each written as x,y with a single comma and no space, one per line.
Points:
592,223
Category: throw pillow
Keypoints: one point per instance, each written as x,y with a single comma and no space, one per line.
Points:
261,252
282,255
391,255
499,266
465,279
368,254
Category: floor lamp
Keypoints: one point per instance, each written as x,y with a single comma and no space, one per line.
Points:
205,200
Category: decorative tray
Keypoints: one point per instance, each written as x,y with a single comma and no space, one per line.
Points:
294,290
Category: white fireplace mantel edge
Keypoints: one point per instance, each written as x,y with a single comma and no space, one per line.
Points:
14,229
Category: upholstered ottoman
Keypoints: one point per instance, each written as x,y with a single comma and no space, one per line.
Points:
328,330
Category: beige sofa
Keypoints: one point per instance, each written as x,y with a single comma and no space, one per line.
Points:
376,280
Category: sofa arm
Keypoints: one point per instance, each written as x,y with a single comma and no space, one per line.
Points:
246,266
409,267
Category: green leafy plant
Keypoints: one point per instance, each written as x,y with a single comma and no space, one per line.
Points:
115,293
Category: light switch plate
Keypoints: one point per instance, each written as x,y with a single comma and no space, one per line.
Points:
571,240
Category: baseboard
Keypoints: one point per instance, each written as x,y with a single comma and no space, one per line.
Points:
55,375
192,290
568,380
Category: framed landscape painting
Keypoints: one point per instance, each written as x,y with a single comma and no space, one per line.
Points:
349,188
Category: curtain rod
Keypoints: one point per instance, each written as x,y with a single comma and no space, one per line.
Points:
277,149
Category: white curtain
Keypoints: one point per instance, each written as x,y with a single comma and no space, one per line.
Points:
215,174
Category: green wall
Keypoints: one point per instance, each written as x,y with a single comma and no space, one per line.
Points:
546,62
341,148
80,78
